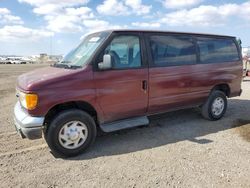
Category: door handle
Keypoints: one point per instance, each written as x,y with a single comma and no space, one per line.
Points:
145,85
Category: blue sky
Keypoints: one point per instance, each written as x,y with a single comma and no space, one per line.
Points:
30,27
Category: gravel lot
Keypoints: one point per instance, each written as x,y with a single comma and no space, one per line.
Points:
177,149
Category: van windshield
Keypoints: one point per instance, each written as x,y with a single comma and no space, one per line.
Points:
79,56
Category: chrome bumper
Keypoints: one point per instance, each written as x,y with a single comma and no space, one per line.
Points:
26,125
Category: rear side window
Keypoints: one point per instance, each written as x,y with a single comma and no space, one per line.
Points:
217,50
170,50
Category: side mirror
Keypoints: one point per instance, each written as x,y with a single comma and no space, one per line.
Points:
106,64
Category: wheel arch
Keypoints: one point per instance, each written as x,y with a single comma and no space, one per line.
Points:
225,88
82,105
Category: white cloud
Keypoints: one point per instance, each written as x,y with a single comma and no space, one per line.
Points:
21,33
70,16
203,15
177,4
63,23
68,19
62,16
82,12
229,9
112,7
54,8
4,11
98,25
47,9
16,38
7,18
67,16
207,15
38,3
125,7
138,7
243,10
146,24
76,20
10,19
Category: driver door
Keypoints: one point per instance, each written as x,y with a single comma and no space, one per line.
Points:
121,91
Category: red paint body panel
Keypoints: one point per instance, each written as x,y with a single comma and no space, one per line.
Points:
184,86
119,94
35,80
57,85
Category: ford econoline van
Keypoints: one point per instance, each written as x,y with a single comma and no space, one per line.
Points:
115,79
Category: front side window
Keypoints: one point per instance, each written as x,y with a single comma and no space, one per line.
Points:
217,50
170,50
125,52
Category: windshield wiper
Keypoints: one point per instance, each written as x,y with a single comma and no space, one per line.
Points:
66,66
74,66
60,65
65,62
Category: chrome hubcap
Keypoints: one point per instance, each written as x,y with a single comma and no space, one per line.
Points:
218,106
73,134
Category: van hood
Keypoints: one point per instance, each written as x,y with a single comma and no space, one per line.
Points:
38,78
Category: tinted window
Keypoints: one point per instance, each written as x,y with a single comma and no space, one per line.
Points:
125,52
217,50
172,50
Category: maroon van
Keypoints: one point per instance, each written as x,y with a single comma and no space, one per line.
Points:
115,79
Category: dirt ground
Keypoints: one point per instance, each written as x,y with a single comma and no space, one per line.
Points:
177,149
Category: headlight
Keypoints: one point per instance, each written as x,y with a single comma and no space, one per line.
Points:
28,101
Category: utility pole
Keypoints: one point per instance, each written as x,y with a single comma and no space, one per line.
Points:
50,45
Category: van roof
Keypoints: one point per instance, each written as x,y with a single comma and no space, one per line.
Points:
162,31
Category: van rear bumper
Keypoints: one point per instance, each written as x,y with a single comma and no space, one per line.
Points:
26,125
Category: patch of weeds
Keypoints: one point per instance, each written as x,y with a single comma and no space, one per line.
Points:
243,128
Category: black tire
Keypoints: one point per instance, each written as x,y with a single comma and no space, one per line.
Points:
206,109
52,133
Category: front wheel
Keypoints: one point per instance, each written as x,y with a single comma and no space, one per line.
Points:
70,133
215,106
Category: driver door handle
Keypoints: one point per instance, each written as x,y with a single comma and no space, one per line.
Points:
145,85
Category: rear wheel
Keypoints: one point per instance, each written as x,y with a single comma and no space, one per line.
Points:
70,133
215,106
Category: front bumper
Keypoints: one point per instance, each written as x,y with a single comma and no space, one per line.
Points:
27,126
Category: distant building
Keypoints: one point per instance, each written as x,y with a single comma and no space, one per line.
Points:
45,58
55,58
246,59
41,58
246,52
